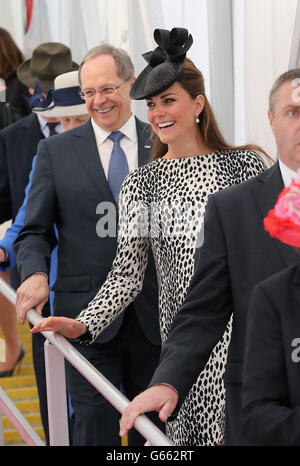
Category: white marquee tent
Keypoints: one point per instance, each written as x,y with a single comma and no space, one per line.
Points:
240,45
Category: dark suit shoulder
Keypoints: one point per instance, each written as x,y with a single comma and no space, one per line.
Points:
60,140
236,191
277,281
12,129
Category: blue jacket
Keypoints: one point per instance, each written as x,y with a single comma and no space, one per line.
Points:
12,233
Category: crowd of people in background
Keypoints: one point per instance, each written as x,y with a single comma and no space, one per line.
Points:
145,244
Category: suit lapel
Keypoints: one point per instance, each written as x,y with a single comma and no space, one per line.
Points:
266,194
144,145
32,132
296,283
86,149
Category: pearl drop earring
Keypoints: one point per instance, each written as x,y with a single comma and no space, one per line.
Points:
197,120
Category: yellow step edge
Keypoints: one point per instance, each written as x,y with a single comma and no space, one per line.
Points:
26,369
18,381
26,337
27,345
27,358
22,393
28,406
34,419
24,329
11,435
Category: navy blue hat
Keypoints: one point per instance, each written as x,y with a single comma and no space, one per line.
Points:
164,64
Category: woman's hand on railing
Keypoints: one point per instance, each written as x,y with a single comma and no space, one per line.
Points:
160,398
69,328
33,293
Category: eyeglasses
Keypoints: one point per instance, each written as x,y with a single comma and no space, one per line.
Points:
109,90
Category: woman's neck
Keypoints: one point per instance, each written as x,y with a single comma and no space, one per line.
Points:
191,149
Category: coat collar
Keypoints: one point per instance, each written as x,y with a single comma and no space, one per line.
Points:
33,135
86,149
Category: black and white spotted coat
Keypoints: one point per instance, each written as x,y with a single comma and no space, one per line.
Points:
162,204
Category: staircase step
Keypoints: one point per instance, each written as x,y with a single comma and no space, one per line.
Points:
22,393
34,419
28,406
18,381
26,337
28,347
11,435
26,369
24,329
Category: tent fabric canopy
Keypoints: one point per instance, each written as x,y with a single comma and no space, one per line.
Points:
241,46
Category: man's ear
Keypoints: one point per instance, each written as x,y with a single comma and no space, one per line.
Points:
271,118
132,80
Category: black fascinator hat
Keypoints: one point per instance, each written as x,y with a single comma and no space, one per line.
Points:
164,64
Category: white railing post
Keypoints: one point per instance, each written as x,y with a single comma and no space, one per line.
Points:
56,396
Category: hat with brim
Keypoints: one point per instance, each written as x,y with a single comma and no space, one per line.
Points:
48,61
64,100
165,63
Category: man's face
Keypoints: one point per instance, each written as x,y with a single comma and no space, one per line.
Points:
285,123
108,112
70,122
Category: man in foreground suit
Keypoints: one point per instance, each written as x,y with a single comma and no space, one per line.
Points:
75,185
270,395
236,255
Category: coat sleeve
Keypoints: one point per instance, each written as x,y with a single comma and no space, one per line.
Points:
13,231
202,319
36,239
267,415
125,280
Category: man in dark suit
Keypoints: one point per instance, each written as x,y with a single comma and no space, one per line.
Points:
236,254
76,185
270,395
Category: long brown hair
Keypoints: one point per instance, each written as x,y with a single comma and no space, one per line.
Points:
191,79
10,55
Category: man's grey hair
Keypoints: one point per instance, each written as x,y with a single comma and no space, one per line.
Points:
125,68
290,75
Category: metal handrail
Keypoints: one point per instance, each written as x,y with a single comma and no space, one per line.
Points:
142,424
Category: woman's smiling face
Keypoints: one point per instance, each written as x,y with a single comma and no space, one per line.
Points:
172,114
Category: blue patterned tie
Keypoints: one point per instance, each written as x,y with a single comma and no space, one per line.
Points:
118,166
